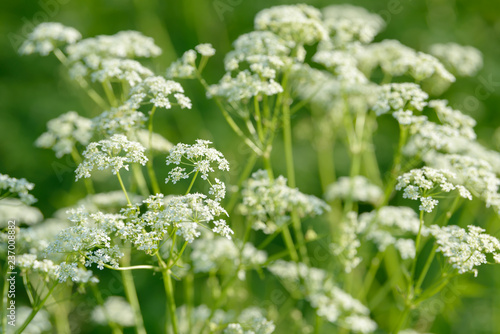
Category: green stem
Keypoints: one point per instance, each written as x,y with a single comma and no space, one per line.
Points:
402,319
258,119
140,180
151,171
82,82
287,237
167,282
35,310
426,268
100,301
123,188
192,182
396,166
370,275
110,94
243,177
287,139
131,292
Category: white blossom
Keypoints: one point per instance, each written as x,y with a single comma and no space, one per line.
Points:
465,250
359,188
48,36
64,132
461,60
114,153
19,187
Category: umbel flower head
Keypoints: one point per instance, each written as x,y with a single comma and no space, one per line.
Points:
19,187
461,60
156,90
465,250
270,202
114,153
64,132
424,182
48,36
299,24
198,156
185,67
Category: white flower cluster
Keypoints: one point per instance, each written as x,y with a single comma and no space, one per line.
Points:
64,132
270,203
396,59
13,208
454,118
463,249
300,24
342,65
243,86
392,225
113,153
250,321
422,183
118,70
185,214
399,97
124,119
77,274
124,44
264,52
217,253
345,248
358,188
19,187
156,90
28,263
461,60
115,309
329,301
475,174
347,24
35,239
48,36
199,156
185,67
90,238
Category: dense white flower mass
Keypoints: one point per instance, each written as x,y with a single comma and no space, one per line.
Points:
11,186
347,242
198,156
425,182
264,52
400,96
396,59
329,301
124,119
454,118
243,86
184,67
465,249
358,188
124,44
118,70
211,252
250,321
461,60
115,309
205,49
13,208
475,174
270,202
300,24
48,36
348,23
156,90
64,132
114,153
342,65
392,226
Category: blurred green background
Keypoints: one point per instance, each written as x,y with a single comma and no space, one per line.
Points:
34,90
